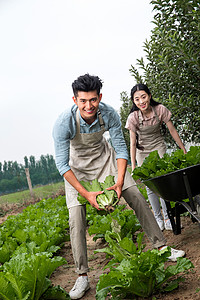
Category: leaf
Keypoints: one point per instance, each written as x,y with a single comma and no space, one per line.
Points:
182,265
96,186
6,290
172,285
7,249
17,286
20,235
128,245
108,182
55,293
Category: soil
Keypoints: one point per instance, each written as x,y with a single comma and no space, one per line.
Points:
188,240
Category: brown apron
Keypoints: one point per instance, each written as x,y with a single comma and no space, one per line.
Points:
91,157
150,138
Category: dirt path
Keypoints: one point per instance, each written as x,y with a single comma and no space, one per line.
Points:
188,240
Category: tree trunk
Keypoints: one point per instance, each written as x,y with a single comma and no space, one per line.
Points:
29,181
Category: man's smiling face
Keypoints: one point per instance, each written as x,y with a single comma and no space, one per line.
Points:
88,103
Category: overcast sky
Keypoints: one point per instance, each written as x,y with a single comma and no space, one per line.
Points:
45,45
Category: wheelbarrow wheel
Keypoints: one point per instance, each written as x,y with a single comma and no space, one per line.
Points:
197,204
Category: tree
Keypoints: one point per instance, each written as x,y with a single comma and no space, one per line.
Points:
26,161
13,178
172,70
5,186
5,168
32,162
1,173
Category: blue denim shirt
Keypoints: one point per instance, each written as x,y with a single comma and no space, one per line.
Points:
65,130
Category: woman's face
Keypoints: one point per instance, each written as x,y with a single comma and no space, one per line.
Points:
142,100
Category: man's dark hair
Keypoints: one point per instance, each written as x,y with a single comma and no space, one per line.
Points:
86,83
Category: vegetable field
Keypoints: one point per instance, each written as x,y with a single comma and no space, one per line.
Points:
35,253
188,240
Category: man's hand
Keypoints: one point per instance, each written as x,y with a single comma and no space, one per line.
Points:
118,188
91,197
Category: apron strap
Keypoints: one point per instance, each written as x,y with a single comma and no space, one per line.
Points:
140,118
162,131
77,121
155,114
101,122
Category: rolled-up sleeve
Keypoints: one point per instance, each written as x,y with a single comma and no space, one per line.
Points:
62,134
132,121
164,113
116,135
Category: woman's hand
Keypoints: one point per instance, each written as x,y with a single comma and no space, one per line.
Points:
184,150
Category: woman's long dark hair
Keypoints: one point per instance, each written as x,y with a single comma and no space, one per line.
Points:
143,87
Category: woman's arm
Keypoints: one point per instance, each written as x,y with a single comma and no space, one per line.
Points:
175,135
133,149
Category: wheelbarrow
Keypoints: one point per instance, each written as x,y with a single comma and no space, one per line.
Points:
178,186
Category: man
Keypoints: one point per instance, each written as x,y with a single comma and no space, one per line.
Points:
82,153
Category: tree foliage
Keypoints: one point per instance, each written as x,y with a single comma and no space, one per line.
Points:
13,177
172,67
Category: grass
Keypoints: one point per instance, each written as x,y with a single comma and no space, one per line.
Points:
39,192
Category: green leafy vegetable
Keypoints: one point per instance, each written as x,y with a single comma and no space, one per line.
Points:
154,166
133,272
26,276
27,243
55,293
123,220
108,199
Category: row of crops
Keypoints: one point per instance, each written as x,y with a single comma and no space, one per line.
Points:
132,270
29,244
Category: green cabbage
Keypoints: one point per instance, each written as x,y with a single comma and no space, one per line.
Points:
154,166
108,199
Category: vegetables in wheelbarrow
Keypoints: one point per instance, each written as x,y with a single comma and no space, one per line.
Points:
108,199
154,166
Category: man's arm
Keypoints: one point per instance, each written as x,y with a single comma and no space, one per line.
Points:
121,166
119,145
90,196
116,135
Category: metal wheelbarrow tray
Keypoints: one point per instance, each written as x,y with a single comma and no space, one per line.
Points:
177,186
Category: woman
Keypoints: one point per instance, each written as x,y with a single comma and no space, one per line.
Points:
144,122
